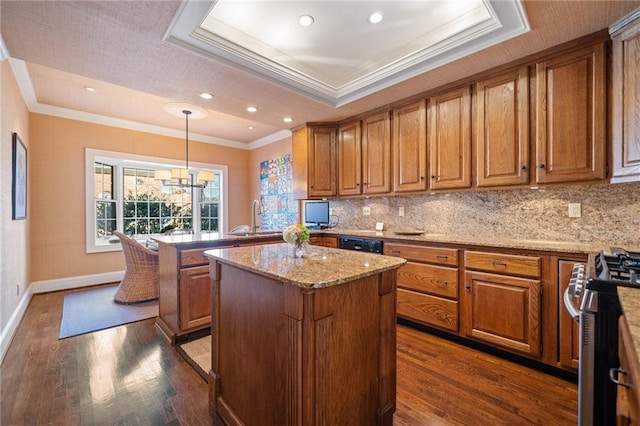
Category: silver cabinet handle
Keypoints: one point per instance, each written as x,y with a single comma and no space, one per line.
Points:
613,376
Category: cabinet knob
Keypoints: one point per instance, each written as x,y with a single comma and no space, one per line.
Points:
421,177
311,187
541,166
433,176
467,286
523,167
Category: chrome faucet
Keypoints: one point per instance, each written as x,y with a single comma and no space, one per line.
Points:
254,225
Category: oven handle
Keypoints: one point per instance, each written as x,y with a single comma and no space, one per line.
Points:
568,302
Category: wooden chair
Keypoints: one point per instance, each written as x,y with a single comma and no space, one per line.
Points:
141,278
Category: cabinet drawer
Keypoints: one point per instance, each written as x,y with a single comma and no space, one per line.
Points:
431,279
426,309
193,257
510,264
442,256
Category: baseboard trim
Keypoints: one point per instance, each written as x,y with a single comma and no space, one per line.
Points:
44,287
75,282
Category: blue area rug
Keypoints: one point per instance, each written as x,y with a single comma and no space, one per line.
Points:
93,310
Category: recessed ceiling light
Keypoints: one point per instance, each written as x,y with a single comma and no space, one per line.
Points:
305,20
205,95
287,119
250,127
89,88
375,17
252,109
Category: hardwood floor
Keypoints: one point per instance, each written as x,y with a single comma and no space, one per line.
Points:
130,375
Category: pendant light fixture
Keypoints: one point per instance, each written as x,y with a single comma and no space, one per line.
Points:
180,177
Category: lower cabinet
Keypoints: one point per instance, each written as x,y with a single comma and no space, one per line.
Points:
319,240
503,301
195,295
427,289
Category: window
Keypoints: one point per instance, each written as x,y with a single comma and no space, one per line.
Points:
125,196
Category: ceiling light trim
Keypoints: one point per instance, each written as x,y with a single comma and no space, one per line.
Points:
509,20
4,52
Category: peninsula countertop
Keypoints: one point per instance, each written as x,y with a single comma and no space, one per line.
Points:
320,267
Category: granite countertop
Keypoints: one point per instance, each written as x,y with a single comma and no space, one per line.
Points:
178,239
525,244
320,267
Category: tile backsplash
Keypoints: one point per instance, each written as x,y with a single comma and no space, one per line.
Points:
610,213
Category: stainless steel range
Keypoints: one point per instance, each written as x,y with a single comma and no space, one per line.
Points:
592,300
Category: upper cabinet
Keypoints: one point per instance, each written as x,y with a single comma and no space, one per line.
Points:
364,156
314,162
571,116
349,159
502,129
449,139
410,147
625,123
376,154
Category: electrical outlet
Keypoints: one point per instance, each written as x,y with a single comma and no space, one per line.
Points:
401,211
366,211
575,210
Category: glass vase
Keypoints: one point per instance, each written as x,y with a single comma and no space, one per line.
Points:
298,250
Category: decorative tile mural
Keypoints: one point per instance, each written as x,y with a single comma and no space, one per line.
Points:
279,208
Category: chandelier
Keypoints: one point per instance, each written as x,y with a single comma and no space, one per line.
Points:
180,177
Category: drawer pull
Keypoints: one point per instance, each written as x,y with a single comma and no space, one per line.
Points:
442,257
498,263
442,283
395,251
613,376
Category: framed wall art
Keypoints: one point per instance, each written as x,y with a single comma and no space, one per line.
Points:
19,182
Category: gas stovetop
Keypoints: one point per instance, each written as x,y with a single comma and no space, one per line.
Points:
619,266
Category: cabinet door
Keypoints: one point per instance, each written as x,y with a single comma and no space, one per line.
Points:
322,162
195,298
571,108
503,311
331,242
376,154
410,147
349,160
569,337
502,129
449,135
626,103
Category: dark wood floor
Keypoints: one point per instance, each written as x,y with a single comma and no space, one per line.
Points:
129,375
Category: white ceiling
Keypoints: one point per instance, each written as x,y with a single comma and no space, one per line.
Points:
130,52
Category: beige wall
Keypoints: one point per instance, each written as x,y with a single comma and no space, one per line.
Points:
14,234
57,190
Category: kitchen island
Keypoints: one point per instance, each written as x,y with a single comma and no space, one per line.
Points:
302,341
184,278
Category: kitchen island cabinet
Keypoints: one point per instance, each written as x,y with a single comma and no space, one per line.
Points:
184,303
291,342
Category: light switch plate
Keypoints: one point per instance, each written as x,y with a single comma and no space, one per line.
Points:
575,210
401,211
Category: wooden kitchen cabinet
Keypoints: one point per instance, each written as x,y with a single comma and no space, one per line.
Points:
449,139
314,162
571,116
427,285
502,129
501,307
319,240
568,329
410,147
376,154
349,159
625,120
185,286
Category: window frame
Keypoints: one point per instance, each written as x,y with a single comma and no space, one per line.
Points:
123,159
